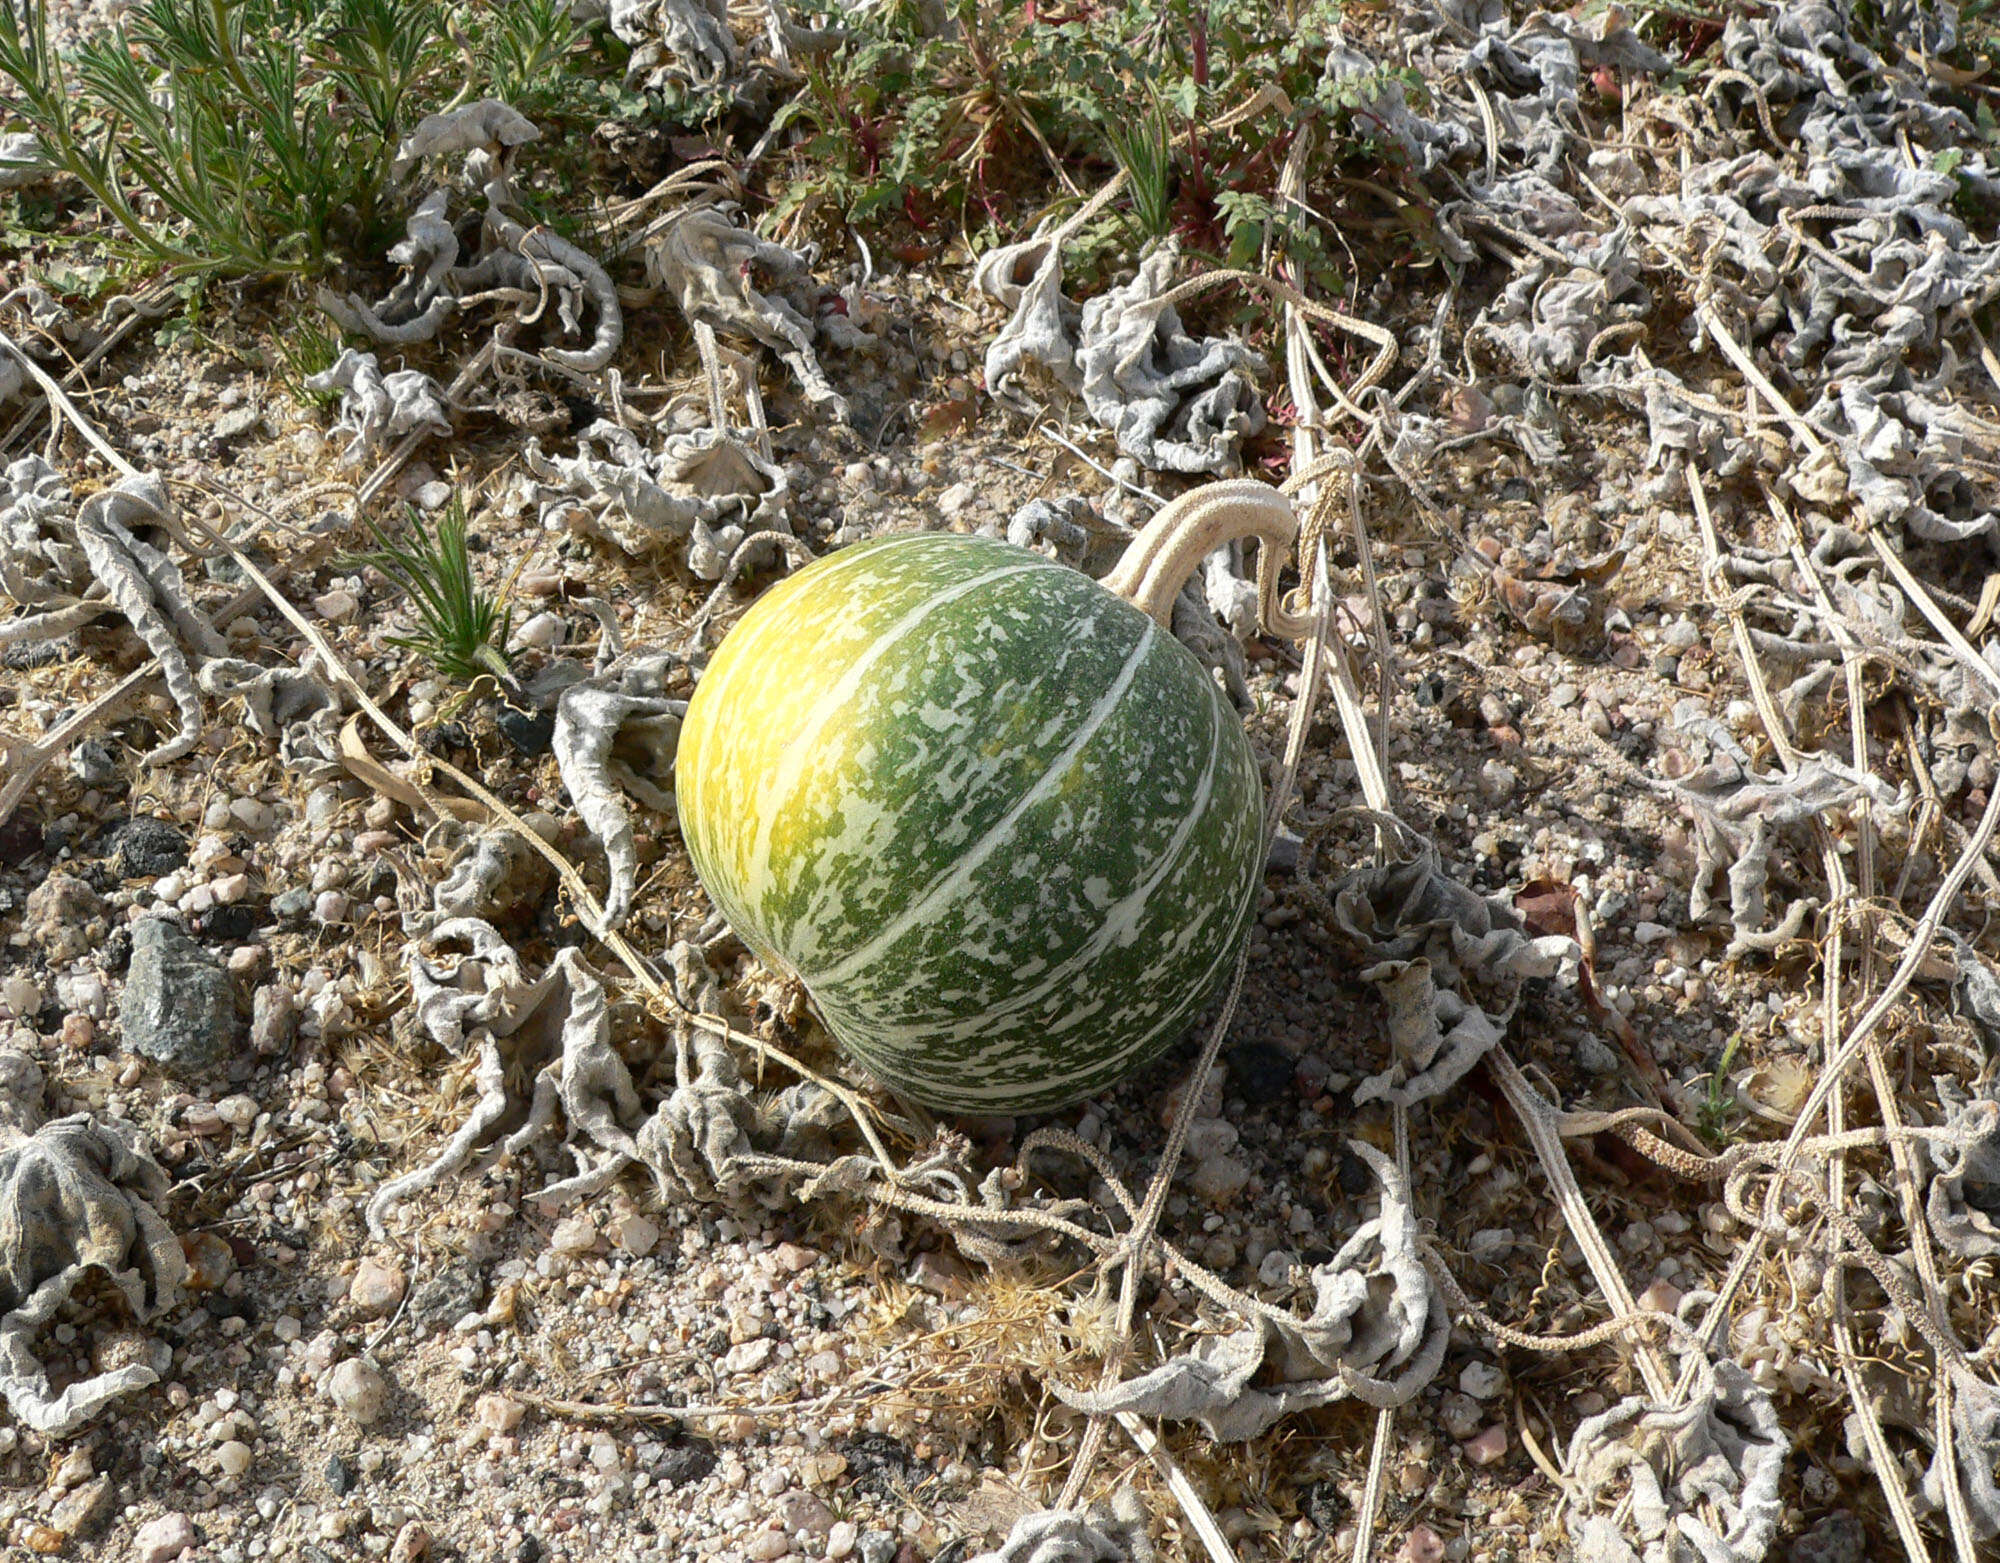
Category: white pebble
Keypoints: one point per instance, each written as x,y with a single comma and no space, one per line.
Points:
358,1388
544,632
330,907
234,1458
230,889
239,1112
253,814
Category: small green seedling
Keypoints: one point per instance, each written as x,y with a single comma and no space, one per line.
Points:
1715,1118
463,629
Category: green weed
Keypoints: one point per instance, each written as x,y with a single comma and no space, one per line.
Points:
463,629
1717,1113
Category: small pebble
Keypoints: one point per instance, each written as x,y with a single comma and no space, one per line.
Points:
164,1539
1422,1545
330,907
413,1542
574,1235
230,889
497,1413
239,1112
1482,1380
635,1235
1490,1447
377,1287
543,632
358,1388
253,814
339,606
1219,1179
1459,1415
234,1457
840,1541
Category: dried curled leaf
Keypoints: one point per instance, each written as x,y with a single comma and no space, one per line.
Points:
376,408
704,492
616,732
1701,1478
495,876
1176,404
1963,1205
77,1196
710,266
1739,815
554,1030
1377,1333
78,564
1113,1532
487,124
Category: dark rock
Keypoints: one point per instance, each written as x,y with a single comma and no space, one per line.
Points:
445,739
1260,1072
292,907
20,839
117,952
682,1463
1353,1176
881,1464
531,732
146,848
179,1007
1837,1538
1322,1504
340,1476
229,924
445,1298
529,1551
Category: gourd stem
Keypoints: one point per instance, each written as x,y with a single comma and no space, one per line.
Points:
1158,562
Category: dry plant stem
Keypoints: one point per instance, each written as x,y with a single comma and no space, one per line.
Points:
59,402
1200,1520
1539,1119
77,370
1887,1472
1157,563
26,761
1376,1486
1862,1039
1914,954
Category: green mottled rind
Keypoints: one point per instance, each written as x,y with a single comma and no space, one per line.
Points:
1005,829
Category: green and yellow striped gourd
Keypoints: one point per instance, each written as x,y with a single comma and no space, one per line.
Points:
999,822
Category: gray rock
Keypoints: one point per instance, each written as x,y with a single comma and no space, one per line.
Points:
93,763
82,1509
146,847
1838,1538
292,907
179,1008
274,1018
237,422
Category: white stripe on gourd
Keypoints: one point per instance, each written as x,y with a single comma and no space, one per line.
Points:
1008,833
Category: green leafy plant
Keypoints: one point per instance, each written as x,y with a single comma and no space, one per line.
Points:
463,629
308,346
1144,149
243,138
1716,1115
